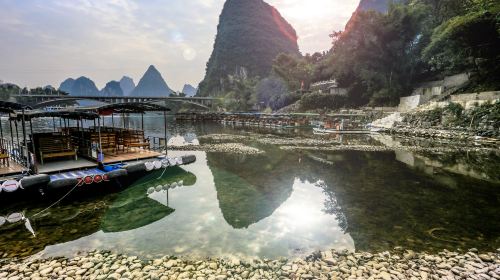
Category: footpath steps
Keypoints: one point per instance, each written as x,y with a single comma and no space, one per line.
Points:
388,122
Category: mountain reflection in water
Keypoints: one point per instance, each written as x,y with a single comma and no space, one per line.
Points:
282,203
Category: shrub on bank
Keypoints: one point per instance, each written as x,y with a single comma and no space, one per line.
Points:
317,100
484,118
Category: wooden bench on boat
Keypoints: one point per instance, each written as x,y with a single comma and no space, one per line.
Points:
4,158
108,141
133,139
56,146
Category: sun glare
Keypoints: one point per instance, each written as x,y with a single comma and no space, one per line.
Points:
314,18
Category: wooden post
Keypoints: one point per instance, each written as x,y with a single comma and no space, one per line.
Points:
11,133
165,127
24,140
142,121
99,152
32,142
17,137
1,136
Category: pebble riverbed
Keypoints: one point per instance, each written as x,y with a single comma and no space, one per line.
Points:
398,264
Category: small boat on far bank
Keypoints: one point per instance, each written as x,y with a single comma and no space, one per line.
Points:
339,125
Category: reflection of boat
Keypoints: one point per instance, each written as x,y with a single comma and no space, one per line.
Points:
133,208
319,130
130,209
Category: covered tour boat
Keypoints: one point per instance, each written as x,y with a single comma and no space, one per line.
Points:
75,149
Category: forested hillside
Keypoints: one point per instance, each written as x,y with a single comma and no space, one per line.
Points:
382,56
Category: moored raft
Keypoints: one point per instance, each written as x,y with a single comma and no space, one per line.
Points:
43,183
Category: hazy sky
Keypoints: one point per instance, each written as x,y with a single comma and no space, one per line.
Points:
46,41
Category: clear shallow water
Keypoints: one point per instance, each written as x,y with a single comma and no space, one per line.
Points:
281,203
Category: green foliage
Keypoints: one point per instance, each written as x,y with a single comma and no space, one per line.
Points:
7,90
283,100
241,94
313,101
454,109
469,41
377,56
296,71
268,89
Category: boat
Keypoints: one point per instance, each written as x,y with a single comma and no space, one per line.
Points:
76,154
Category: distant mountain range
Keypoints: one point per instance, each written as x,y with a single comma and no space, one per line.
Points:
127,85
189,90
151,84
82,86
112,88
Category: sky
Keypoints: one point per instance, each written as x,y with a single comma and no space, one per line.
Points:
43,42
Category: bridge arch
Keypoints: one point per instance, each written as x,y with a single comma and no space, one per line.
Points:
71,101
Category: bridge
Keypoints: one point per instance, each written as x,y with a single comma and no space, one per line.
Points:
43,101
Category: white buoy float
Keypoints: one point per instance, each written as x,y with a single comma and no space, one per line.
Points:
151,190
14,218
159,188
149,166
166,187
2,221
10,186
157,164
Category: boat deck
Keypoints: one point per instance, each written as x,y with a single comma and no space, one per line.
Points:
65,165
135,154
12,169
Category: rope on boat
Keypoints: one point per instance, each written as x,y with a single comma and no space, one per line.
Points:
164,169
59,200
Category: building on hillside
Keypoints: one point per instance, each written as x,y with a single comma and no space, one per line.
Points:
331,86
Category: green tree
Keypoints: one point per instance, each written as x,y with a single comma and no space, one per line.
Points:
377,57
295,70
241,94
468,42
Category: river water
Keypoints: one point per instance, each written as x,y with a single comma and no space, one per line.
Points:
281,203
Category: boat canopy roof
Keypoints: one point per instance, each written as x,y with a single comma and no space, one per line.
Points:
127,108
74,115
11,107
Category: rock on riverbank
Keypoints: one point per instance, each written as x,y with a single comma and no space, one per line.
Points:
398,264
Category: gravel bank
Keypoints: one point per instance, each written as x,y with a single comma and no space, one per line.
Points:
235,148
373,148
326,265
453,135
